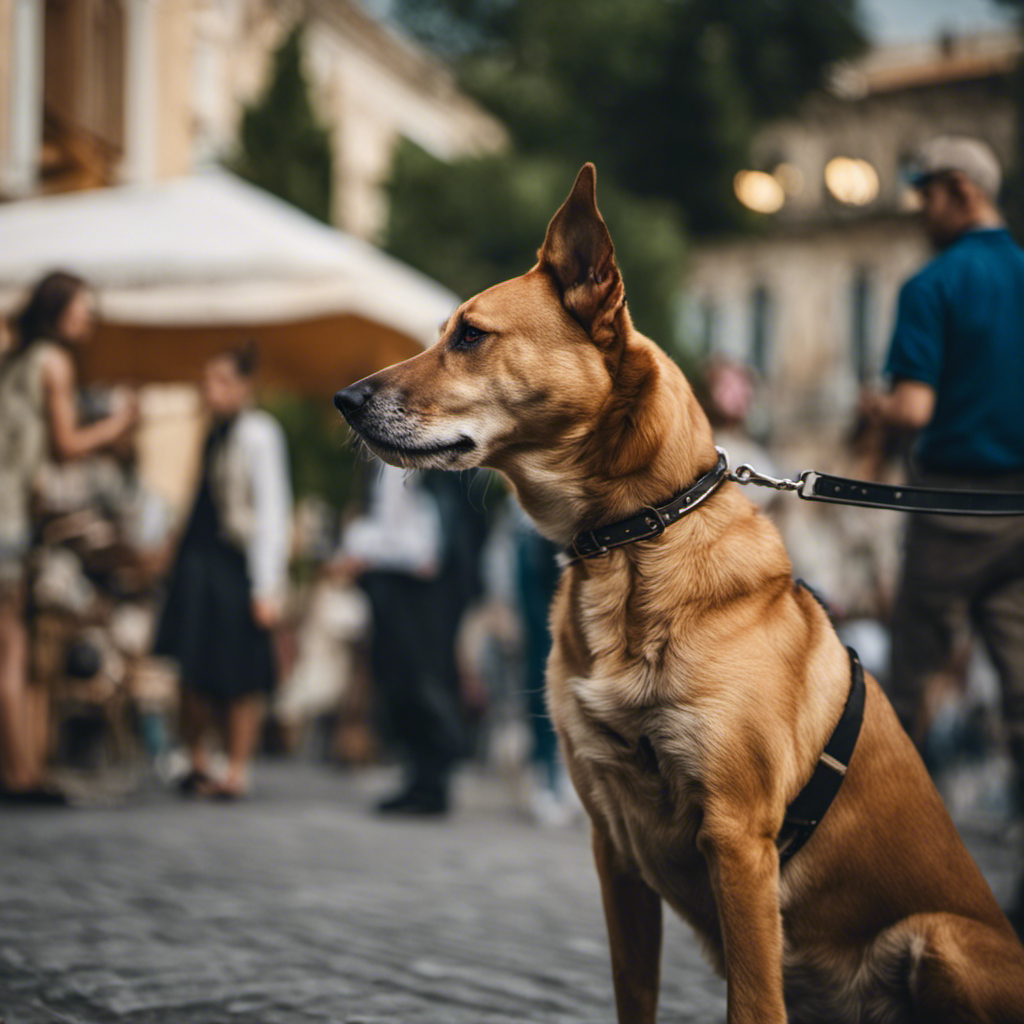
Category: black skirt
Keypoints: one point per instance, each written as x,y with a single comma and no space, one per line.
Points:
207,625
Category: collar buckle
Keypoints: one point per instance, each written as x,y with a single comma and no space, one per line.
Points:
594,548
649,521
654,521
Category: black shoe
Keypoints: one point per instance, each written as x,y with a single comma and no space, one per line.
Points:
194,783
416,801
397,802
37,796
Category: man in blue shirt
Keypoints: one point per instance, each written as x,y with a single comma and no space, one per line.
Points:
957,369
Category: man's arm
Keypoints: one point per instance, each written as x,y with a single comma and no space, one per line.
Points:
909,406
915,357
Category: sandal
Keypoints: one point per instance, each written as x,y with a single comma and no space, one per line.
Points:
226,795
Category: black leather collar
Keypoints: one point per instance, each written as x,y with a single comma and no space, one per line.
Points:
650,521
811,803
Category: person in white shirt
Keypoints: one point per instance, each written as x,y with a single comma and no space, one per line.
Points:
230,577
396,551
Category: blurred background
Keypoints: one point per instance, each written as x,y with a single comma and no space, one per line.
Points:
320,182
324,180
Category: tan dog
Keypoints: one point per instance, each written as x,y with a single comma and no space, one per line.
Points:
692,684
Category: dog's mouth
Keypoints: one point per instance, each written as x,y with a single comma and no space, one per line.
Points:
460,446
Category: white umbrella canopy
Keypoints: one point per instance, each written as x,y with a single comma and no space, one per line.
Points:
210,249
186,267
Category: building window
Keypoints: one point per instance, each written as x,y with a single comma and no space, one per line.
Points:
861,308
761,314
83,93
697,324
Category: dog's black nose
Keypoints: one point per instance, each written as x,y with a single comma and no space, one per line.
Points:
353,398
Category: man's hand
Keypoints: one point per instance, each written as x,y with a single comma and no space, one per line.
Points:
909,405
266,613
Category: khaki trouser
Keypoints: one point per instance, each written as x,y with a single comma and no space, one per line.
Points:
960,571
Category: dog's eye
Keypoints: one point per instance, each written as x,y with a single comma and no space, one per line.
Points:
468,336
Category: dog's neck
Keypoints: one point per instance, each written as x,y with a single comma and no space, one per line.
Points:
641,450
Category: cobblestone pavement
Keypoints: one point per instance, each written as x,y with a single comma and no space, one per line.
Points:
297,906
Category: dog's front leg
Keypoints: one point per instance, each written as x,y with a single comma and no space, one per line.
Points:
632,911
744,871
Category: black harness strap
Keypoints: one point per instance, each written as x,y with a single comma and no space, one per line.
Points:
810,804
650,521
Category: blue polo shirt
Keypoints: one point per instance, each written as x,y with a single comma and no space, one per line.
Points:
960,329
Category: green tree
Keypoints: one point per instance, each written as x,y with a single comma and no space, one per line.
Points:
1014,187
283,147
476,222
664,94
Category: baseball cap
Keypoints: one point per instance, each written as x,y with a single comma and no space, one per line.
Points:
973,158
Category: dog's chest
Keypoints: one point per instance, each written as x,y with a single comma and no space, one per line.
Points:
622,694
639,766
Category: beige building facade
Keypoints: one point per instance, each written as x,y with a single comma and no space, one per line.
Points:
809,299
102,92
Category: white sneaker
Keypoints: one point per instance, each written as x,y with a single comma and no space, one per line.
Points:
546,809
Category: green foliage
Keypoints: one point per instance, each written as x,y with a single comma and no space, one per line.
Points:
283,146
475,222
1013,189
663,94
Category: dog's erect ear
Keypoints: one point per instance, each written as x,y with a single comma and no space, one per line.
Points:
579,254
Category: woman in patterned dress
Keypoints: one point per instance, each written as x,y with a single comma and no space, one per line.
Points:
38,422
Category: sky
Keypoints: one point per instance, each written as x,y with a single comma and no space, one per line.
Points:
895,21
908,21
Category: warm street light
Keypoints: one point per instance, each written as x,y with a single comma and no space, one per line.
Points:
851,180
759,191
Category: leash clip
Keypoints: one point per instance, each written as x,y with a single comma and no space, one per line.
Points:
805,484
746,474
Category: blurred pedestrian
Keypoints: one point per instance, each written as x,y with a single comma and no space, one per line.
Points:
728,399
38,421
956,363
229,579
537,579
465,527
396,551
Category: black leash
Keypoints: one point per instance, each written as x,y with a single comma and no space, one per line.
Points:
838,490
